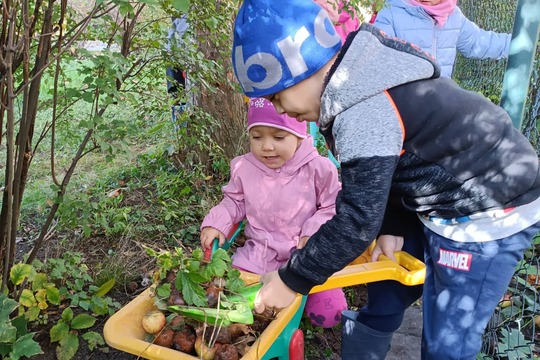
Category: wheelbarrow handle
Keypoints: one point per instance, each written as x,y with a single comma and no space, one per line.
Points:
407,270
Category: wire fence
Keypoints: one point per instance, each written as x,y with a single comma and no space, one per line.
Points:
514,329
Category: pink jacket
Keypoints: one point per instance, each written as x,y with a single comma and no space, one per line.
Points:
280,205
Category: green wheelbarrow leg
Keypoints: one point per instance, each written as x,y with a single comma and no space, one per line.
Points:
280,347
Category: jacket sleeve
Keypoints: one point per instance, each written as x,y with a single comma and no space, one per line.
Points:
367,170
385,22
360,207
474,42
231,210
396,220
327,187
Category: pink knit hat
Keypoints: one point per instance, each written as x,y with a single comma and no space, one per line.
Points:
261,112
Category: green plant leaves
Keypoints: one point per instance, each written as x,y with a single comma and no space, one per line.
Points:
218,265
512,343
68,347
19,272
58,331
93,339
191,289
105,288
181,5
27,298
83,321
7,306
8,332
53,294
25,346
67,315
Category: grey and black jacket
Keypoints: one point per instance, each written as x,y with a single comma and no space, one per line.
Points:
408,142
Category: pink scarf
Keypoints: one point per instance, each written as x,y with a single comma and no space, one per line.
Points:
439,12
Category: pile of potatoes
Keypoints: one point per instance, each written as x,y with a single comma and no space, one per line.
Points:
204,341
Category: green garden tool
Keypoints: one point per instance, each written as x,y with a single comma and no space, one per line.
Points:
236,308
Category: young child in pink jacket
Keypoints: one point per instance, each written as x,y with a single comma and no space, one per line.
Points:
286,191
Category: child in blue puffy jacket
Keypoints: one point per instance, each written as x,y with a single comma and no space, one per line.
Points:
439,28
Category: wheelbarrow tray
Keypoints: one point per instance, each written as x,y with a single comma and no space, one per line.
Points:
124,330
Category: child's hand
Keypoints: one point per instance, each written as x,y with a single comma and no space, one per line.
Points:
387,244
302,242
208,234
274,294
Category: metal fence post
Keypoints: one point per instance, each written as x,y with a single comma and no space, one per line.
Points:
520,60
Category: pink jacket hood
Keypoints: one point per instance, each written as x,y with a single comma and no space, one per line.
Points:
280,205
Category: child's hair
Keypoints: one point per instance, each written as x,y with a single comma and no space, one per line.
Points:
273,50
261,112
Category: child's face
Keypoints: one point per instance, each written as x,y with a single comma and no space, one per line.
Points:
301,101
272,146
429,2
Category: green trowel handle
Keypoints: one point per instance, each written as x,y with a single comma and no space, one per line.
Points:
247,294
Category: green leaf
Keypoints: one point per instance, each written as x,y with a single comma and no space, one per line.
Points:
149,2
20,323
193,266
19,272
93,339
197,254
99,306
218,265
41,298
68,347
83,321
192,291
8,333
181,5
7,306
53,295
511,343
32,313
125,8
40,279
156,128
27,298
67,314
164,291
234,283
59,331
4,350
105,288
26,346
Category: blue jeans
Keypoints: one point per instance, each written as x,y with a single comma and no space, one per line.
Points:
464,283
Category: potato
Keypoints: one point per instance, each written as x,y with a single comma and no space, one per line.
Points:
178,322
165,337
184,340
203,351
153,321
223,336
226,352
212,293
176,298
